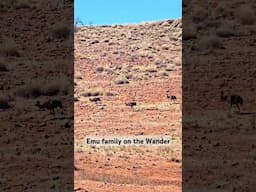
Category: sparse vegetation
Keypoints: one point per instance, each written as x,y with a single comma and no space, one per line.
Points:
210,42
121,80
246,15
163,74
3,67
92,93
225,30
100,69
29,90
55,88
110,94
61,30
144,52
4,103
189,33
36,89
9,48
199,15
42,4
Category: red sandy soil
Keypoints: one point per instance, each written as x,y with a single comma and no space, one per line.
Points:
149,56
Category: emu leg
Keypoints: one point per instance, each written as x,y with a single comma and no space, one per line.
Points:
231,105
238,107
52,111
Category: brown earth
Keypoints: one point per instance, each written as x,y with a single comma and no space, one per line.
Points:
218,55
36,147
120,64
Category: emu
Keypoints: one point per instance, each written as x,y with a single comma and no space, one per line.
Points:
131,104
173,98
232,100
50,105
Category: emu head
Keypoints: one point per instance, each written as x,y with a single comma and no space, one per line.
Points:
167,94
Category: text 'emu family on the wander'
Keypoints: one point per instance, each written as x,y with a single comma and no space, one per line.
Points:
119,141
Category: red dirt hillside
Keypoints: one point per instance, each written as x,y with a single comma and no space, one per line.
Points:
120,64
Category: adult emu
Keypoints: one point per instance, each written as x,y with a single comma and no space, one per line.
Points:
131,104
171,97
232,100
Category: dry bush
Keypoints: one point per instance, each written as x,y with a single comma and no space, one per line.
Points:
6,4
199,15
29,90
110,94
3,67
121,80
92,93
36,89
163,74
139,76
189,33
149,69
129,76
210,42
55,88
226,30
9,48
4,102
100,69
169,69
61,31
246,15
39,4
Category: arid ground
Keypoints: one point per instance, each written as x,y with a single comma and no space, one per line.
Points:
219,150
36,64
116,65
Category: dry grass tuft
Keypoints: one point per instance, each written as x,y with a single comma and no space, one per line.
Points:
4,102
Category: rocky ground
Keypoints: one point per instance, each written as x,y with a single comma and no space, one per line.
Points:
120,64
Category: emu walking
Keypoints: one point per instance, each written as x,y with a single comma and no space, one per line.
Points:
232,100
173,98
131,104
50,105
